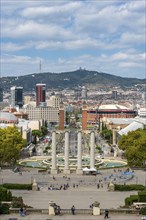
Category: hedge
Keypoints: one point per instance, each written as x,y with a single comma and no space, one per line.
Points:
129,200
5,195
130,187
4,208
142,196
17,202
18,186
143,210
42,170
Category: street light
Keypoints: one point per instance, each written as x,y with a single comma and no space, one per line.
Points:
1,178
136,180
145,179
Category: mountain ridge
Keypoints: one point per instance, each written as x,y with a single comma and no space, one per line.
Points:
70,79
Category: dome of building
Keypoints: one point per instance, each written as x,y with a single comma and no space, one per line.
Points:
113,107
7,117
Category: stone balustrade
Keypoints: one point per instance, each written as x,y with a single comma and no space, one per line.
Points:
78,211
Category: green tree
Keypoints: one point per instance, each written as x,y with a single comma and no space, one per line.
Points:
46,124
107,134
134,145
67,119
35,134
5,195
44,130
11,143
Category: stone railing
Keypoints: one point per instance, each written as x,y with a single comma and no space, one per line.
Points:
78,211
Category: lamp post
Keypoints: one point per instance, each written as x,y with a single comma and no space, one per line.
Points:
136,180
145,179
1,178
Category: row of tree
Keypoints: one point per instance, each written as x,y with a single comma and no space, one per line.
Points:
37,133
134,146
11,143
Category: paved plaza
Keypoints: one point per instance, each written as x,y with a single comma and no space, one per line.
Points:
82,192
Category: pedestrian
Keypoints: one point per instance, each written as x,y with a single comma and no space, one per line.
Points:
73,210
21,211
58,210
91,206
138,209
106,213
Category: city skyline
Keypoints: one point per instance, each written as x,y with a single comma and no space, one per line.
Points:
105,36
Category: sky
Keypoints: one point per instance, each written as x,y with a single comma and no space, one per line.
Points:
100,35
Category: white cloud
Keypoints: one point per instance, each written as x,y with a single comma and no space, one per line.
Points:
130,64
33,30
129,56
6,58
8,47
58,10
132,38
54,45
110,20
116,64
109,35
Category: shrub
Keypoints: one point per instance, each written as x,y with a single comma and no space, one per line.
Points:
4,208
42,170
5,195
17,202
143,210
130,187
18,186
129,200
48,147
142,196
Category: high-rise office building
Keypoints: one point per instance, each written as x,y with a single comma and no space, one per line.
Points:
40,94
61,116
114,94
1,94
16,96
84,116
84,92
144,95
55,101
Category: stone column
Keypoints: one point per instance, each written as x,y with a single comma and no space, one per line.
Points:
100,124
66,156
53,168
92,149
51,209
79,157
96,208
34,185
114,136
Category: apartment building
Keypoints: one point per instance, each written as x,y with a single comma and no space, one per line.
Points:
48,113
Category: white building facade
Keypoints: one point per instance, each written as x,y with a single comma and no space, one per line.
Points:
49,114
